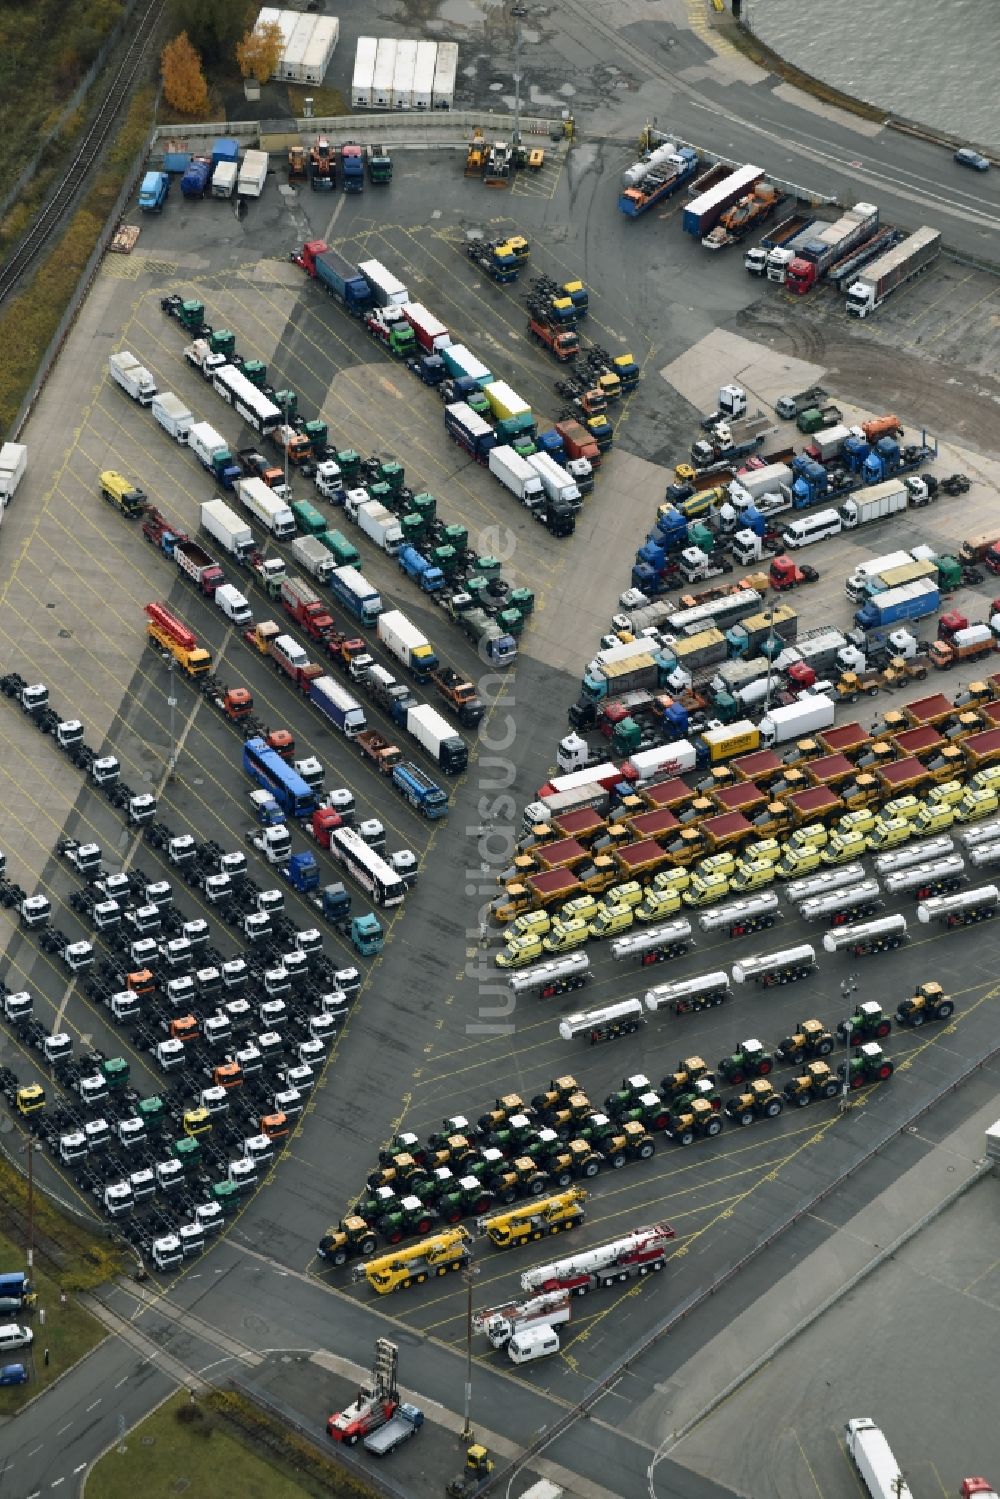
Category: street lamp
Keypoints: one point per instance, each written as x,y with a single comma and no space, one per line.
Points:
469,1274
770,659
848,987
518,12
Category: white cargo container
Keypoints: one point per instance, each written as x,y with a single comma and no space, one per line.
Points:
402,77
423,75
872,1456
172,414
13,462
555,480
856,585
807,716
227,528
317,560
290,67
387,289
262,502
384,71
445,72
224,179
319,50
253,174
133,377
771,479
516,474
657,764
364,72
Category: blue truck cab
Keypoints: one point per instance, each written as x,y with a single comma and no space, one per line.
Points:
416,566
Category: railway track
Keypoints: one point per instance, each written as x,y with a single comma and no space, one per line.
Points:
64,195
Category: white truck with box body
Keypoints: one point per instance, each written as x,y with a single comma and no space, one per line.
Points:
436,735
380,526
773,478
877,502
387,289
317,560
206,444
233,604
13,462
173,415
897,266
516,474
253,174
224,179
227,528
133,377
872,1456
555,480
807,716
271,511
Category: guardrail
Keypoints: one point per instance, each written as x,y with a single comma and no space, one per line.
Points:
414,121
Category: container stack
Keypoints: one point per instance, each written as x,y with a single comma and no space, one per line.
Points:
403,74
310,41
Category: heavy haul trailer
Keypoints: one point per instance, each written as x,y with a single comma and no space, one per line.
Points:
655,945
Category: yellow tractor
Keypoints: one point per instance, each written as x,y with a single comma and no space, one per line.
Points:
478,1467
475,158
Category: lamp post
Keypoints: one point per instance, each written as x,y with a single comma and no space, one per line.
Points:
171,704
518,12
469,1274
848,987
770,660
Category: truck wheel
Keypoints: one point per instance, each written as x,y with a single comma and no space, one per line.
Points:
442,1269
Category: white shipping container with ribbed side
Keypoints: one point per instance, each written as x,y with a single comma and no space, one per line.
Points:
387,289
290,66
423,74
321,47
364,72
402,78
385,69
445,72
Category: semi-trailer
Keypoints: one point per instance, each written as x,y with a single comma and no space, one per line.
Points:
899,265
663,174
438,738
657,944
705,210
516,474
873,1458
813,259
225,526
755,259
336,275
387,290
690,996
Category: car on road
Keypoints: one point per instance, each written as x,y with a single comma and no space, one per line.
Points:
966,157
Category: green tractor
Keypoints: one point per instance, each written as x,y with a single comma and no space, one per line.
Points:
565,1161
403,1170
704,1089
405,1144
689,1071
410,1216
619,1143
518,1132
648,1110
625,1096
748,1060
466,1196
868,1020
869,1064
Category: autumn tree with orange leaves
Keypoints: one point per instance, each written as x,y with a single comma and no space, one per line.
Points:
184,86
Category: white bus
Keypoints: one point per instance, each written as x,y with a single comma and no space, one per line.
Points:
251,403
371,872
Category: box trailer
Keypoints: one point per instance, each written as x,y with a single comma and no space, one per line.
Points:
872,1456
445,72
289,68
383,73
387,289
364,72
402,76
224,179
704,212
423,75
319,50
899,265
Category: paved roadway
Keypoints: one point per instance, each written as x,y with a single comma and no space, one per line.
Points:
414,1040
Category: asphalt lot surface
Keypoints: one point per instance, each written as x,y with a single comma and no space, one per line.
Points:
431,1034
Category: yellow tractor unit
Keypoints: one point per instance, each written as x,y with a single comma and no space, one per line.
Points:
534,1220
298,163
475,158
402,1268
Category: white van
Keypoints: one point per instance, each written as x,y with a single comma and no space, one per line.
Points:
12,1336
802,533
532,1343
233,604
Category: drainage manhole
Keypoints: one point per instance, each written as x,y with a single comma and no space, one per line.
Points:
147,1441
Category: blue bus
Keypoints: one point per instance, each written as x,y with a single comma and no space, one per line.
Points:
271,772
